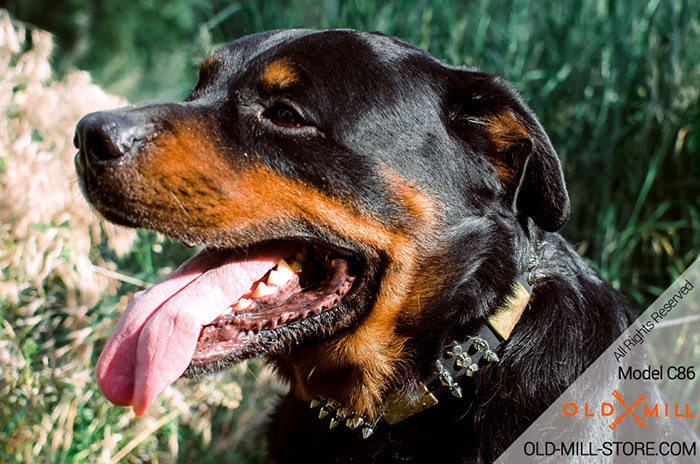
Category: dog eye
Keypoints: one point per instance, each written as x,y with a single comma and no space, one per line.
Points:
284,116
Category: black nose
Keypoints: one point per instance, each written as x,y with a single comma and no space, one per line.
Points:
105,136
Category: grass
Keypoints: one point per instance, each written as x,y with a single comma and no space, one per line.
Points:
615,84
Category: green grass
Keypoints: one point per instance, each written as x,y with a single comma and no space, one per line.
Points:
615,84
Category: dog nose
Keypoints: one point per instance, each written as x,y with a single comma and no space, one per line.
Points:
105,136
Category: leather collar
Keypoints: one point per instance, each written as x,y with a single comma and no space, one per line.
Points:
460,359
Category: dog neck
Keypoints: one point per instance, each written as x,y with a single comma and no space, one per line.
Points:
460,359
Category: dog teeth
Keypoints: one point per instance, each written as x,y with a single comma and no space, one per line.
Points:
243,303
296,265
282,266
263,290
302,255
281,275
278,277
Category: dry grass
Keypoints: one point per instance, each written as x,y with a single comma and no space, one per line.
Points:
58,291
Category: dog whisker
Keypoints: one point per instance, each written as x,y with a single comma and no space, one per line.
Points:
178,202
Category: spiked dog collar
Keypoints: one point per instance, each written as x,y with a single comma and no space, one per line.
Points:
459,360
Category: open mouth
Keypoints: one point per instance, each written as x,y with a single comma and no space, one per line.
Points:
306,283
211,308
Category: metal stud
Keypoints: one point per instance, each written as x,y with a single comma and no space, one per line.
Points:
481,344
354,422
455,350
334,423
323,413
534,277
491,357
471,370
342,414
333,404
456,390
464,360
367,432
446,378
532,264
315,403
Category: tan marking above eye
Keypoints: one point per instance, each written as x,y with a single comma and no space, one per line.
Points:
279,75
206,66
207,62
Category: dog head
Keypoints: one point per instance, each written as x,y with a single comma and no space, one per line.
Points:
394,188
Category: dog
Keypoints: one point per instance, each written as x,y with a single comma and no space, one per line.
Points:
379,226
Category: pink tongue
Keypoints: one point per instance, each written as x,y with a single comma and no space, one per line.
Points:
155,338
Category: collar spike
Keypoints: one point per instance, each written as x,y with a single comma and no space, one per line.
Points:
534,277
481,344
315,403
464,360
342,414
323,413
354,422
471,370
333,404
443,375
491,357
532,265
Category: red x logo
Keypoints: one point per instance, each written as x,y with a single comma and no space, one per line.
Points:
628,410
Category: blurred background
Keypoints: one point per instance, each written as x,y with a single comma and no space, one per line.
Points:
615,84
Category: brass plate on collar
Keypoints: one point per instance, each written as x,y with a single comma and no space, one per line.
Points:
505,319
398,408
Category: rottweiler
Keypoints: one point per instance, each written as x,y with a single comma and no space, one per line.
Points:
379,226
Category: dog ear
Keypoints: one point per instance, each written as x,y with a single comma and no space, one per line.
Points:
488,114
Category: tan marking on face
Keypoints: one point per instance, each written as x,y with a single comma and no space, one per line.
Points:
174,181
361,366
507,133
279,75
196,189
206,63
